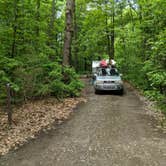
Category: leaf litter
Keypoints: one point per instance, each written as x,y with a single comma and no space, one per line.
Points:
32,118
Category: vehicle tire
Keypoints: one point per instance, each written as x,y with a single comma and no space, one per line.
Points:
96,91
121,92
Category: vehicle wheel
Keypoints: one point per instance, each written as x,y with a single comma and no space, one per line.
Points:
96,91
121,92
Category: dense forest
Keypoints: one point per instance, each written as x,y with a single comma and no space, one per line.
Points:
45,44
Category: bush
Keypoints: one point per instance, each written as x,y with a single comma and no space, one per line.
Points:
44,78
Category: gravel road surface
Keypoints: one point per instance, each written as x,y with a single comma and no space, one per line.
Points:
108,130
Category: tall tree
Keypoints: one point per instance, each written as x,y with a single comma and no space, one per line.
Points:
70,4
75,36
52,34
112,29
107,29
14,27
37,16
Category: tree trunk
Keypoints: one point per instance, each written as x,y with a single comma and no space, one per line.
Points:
52,36
113,31
13,49
37,17
52,18
68,32
106,2
108,38
9,108
75,48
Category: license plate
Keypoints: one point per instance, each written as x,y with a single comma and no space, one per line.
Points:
110,87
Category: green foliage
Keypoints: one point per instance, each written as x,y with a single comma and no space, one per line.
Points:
58,81
140,48
154,95
31,36
157,78
45,79
72,85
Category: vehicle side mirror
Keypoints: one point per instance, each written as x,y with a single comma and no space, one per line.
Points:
120,75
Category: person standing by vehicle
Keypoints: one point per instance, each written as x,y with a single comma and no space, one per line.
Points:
112,63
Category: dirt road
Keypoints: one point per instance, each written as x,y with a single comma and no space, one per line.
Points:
109,130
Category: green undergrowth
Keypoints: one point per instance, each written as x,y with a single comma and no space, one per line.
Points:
158,98
45,78
151,95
